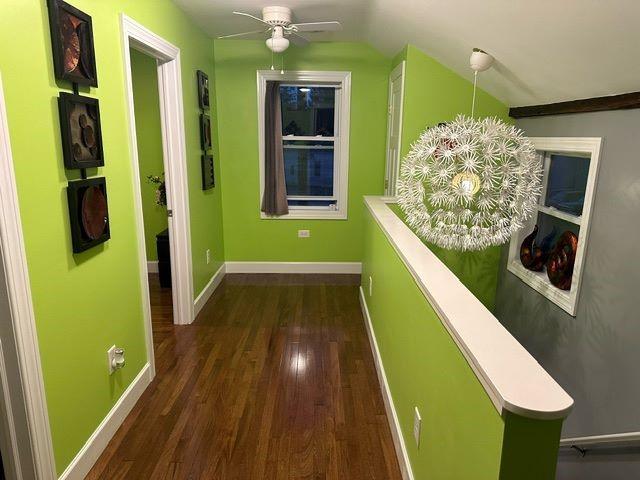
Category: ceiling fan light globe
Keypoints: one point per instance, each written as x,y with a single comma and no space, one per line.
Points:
277,44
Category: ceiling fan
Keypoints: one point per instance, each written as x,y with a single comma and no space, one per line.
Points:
279,26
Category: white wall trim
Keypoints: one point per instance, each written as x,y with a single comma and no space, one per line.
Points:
136,36
392,416
23,318
152,266
208,290
294,267
512,378
99,439
341,145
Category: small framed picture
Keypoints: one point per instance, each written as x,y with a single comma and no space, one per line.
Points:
80,131
74,56
208,177
203,90
205,131
88,213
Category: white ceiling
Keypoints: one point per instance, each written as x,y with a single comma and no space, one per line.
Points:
546,50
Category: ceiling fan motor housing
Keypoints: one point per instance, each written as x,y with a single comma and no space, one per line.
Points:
277,16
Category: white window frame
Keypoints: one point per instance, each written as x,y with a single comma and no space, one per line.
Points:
342,82
567,300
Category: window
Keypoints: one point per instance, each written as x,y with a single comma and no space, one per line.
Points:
570,169
315,141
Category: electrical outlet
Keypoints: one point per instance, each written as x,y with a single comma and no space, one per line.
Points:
208,255
370,285
417,426
304,233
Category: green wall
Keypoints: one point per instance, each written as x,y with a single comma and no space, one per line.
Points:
249,238
85,303
144,72
434,94
463,435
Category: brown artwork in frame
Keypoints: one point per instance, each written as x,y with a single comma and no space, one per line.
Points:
88,213
208,177
205,132
203,90
80,131
72,44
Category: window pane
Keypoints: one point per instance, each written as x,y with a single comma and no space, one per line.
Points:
308,111
308,169
567,183
313,203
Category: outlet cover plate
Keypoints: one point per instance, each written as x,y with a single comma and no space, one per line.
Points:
417,426
111,353
304,233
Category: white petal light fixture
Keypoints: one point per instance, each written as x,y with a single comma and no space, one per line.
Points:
470,183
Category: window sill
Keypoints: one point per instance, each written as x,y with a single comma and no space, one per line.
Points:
307,215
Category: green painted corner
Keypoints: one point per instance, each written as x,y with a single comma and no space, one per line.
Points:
247,236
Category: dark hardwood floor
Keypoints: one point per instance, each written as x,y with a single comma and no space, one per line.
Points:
274,380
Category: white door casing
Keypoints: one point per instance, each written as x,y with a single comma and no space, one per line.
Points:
394,129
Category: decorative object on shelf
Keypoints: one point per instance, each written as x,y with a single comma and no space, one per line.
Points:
532,256
562,260
470,184
205,131
161,190
88,213
203,90
72,44
80,131
208,178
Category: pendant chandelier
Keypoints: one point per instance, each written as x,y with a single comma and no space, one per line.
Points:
470,184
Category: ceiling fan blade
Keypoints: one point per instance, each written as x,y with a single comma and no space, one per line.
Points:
298,40
317,26
251,16
243,34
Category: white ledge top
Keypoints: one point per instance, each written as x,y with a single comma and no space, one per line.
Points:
512,378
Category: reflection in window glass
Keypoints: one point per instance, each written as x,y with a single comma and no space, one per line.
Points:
308,111
567,183
308,170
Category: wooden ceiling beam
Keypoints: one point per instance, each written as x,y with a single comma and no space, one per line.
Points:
597,104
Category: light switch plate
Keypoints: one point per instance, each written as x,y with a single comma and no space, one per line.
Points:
417,426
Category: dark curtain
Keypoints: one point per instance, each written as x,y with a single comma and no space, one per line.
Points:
274,200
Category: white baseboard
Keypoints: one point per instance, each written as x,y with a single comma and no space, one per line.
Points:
394,424
294,267
152,266
97,442
208,290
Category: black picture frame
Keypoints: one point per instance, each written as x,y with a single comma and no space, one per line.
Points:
205,131
81,137
203,90
208,175
72,45
87,200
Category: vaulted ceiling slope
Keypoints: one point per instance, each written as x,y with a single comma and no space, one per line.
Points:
546,50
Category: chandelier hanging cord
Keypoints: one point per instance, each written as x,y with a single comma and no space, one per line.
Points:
475,84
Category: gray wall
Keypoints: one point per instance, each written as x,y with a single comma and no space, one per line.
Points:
596,355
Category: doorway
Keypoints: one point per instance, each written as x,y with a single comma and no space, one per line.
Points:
169,83
394,129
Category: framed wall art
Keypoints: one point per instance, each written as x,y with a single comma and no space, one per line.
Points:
203,90
80,131
208,178
205,131
72,43
88,213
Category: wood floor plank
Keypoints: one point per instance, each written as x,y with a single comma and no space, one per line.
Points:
274,380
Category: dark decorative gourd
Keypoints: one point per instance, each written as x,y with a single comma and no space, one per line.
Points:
532,256
562,260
